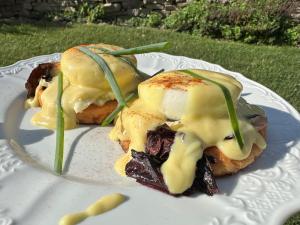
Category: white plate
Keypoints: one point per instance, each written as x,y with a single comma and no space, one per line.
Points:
265,193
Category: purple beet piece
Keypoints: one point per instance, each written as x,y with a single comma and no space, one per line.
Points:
204,180
159,141
145,170
41,71
145,166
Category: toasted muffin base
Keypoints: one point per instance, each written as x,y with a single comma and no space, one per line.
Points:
93,114
223,165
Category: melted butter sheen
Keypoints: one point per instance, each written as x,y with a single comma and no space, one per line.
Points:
103,205
84,84
202,122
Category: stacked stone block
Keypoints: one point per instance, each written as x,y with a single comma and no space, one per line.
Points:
112,8
9,8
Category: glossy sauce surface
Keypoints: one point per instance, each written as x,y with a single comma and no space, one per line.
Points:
84,84
103,205
201,117
179,169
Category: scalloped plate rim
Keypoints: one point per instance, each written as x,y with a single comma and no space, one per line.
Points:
292,206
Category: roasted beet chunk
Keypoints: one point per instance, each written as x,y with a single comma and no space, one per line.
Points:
145,166
204,179
145,170
41,71
159,141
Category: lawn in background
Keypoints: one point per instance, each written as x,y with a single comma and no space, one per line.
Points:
275,67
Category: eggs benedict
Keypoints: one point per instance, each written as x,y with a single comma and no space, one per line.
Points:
87,96
178,135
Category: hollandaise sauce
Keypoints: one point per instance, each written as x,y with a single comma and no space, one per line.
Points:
103,205
84,83
196,109
179,170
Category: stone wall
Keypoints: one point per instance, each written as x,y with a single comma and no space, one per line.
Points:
296,12
141,7
26,8
9,8
113,8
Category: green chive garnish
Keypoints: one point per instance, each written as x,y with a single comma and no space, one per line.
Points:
110,76
59,153
107,72
112,116
158,72
230,106
139,50
143,75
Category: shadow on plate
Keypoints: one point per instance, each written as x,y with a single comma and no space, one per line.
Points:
283,133
10,129
72,150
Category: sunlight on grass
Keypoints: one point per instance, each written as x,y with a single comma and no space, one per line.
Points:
275,67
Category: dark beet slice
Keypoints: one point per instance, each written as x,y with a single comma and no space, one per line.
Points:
41,71
159,141
145,166
204,179
145,170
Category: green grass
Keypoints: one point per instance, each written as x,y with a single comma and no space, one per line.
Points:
294,220
275,67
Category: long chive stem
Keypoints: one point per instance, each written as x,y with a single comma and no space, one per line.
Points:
112,116
157,47
107,72
59,152
104,50
109,75
143,75
230,106
158,72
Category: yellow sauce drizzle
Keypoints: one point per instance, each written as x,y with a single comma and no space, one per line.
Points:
179,170
201,114
121,163
84,84
103,205
33,102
